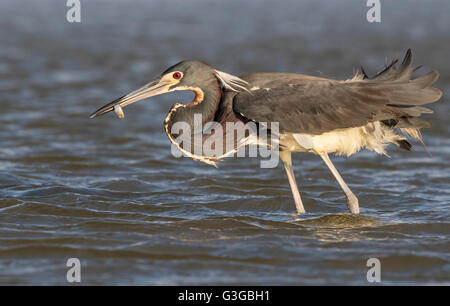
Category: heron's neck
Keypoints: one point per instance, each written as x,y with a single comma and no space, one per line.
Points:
205,104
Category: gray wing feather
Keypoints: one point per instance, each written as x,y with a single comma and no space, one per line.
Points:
318,105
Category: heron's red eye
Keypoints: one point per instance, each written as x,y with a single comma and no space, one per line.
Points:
176,75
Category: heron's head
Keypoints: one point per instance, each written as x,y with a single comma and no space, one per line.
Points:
186,75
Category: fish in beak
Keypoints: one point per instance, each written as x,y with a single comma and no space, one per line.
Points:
158,87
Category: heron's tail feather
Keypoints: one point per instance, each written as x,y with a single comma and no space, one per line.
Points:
404,144
406,96
415,133
396,85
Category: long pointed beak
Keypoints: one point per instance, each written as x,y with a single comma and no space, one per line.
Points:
152,89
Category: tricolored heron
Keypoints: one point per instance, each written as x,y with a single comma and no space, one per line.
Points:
315,114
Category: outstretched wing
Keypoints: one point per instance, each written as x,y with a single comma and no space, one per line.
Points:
311,105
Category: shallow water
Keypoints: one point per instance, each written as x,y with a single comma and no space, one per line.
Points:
109,192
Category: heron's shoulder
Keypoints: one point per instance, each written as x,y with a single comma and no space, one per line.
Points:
279,79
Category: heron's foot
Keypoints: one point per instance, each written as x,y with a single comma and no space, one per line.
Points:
300,211
299,205
295,216
352,203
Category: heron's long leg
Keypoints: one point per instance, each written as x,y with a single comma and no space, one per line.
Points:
352,200
285,157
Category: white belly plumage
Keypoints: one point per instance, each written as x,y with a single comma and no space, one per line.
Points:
373,136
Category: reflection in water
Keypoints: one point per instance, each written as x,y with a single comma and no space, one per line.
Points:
342,221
